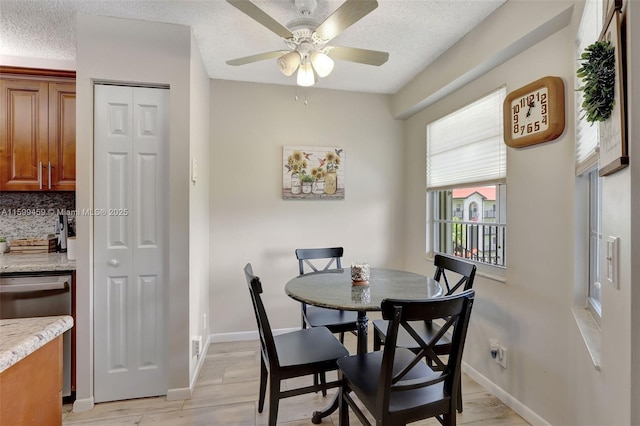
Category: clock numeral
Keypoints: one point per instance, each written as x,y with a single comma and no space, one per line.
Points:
515,118
515,129
543,97
543,110
536,126
516,108
544,119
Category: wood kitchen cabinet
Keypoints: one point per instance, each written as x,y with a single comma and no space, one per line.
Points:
37,130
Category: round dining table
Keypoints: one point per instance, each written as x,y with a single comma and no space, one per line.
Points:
334,289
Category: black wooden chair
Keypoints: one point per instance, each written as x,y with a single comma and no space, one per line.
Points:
394,385
295,354
427,329
335,320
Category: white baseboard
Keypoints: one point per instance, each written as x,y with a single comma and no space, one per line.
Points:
508,399
84,404
244,335
178,394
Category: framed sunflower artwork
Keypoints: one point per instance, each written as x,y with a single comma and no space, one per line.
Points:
313,173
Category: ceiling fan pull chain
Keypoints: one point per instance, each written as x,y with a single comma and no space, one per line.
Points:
305,98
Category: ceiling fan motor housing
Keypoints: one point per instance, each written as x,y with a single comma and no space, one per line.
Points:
306,7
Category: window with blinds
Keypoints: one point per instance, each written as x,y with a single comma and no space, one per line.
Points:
467,145
587,134
587,141
466,175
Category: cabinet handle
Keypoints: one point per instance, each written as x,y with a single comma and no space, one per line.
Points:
40,175
49,174
114,262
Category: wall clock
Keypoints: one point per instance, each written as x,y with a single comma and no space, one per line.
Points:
534,113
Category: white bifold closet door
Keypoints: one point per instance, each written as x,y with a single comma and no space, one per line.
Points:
131,180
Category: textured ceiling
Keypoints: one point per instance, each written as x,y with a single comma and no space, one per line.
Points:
414,32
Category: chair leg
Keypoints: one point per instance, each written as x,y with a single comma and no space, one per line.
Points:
264,373
459,402
377,341
343,409
449,419
342,337
323,382
274,395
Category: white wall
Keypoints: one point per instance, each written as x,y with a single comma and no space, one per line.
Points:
250,222
550,375
633,99
141,52
199,204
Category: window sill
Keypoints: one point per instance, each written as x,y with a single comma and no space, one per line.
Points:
494,273
590,332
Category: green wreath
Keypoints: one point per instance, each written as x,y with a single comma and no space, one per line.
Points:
598,77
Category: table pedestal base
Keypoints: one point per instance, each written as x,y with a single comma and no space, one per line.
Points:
362,324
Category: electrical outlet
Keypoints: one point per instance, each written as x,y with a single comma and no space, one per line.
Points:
501,359
498,353
196,346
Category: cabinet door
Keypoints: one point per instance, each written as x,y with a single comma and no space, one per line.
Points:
61,170
23,134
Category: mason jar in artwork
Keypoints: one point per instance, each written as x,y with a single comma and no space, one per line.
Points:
318,187
306,187
295,183
331,183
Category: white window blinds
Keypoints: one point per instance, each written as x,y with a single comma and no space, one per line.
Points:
467,145
587,134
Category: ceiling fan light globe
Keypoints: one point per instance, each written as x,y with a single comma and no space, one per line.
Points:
322,63
289,62
306,77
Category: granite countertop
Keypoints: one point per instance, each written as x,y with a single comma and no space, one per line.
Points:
10,263
22,336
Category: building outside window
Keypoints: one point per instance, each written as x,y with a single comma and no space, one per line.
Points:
466,174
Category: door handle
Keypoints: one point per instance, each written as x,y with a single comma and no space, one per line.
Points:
114,262
40,174
49,174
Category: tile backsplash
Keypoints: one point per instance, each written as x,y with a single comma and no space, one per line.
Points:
32,214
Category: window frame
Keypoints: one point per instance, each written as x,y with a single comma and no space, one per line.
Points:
436,225
594,303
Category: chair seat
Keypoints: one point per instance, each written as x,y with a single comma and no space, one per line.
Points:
425,329
363,374
309,347
334,319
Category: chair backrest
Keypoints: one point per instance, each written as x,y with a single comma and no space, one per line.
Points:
455,311
466,269
267,344
330,254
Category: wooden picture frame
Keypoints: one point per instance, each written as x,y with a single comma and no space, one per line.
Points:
613,144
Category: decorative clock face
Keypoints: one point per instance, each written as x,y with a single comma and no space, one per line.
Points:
534,113
530,113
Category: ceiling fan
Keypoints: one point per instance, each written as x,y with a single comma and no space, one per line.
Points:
308,51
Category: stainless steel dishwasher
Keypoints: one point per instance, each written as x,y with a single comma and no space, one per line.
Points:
26,296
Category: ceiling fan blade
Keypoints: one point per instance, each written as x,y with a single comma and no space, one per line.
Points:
362,56
350,12
257,14
256,58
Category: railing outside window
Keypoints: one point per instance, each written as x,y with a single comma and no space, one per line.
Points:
477,241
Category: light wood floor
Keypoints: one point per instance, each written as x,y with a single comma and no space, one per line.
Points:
226,394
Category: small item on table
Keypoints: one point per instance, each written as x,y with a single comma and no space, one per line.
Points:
360,273
360,294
